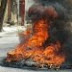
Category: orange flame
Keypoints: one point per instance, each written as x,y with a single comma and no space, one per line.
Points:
40,34
33,47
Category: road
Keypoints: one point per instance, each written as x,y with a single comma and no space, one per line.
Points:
7,42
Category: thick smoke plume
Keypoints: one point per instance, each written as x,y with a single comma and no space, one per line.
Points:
59,14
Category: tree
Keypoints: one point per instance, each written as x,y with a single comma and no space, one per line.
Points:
22,11
2,11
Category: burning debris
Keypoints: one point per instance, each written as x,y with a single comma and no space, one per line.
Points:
44,43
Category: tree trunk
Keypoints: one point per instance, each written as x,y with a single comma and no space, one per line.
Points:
2,11
9,9
22,11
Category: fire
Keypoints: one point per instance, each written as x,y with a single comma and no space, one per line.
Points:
51,56
33,48
40,34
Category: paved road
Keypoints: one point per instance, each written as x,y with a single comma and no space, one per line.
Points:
8,42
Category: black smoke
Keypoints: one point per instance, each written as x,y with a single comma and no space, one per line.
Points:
60,27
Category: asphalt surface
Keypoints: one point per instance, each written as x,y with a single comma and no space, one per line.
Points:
8,41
